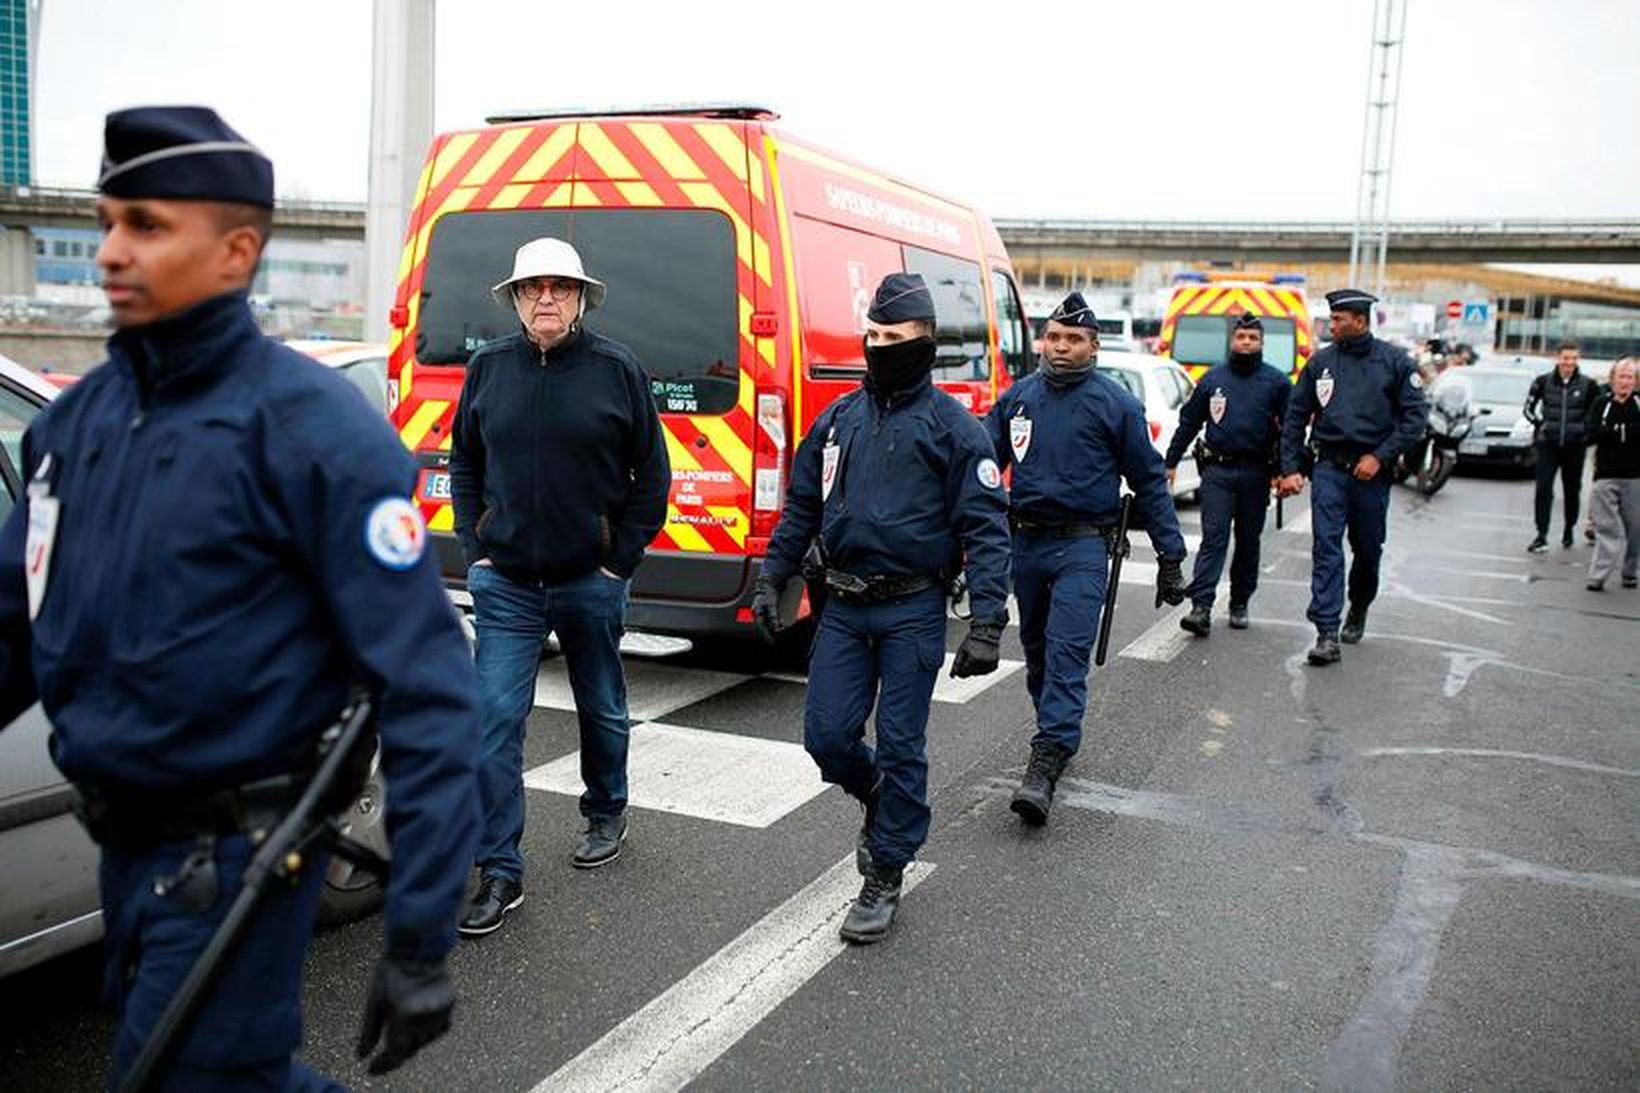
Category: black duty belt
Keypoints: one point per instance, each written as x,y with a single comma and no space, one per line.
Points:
855,589
1041,529
1207,457
1342,458
137,821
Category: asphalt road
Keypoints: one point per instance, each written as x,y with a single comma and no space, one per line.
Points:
1416,869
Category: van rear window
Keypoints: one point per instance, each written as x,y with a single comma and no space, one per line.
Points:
672,295
1205,339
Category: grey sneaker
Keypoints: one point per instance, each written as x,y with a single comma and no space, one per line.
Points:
601,842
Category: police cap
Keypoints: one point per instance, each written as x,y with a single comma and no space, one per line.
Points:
1351,299
1074,311
902,298
181,152
1249,321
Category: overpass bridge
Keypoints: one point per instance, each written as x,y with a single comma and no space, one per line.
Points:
42,207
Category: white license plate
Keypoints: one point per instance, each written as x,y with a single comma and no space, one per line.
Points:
1472,447
436,486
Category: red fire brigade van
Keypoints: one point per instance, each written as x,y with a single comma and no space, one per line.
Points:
740,263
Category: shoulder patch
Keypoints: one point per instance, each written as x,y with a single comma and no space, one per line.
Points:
395,534
1416,379
989,475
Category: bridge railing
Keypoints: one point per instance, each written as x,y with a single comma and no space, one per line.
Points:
1624,227
62,198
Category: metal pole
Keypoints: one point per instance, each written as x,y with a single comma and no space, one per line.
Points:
1394,108
401,126
1366,125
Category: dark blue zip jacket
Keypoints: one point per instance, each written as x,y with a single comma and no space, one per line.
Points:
1072,445
913,491
235,548
1365,397
558,464
1243,413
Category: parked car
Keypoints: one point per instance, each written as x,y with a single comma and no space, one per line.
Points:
1501,436
1162,387
364,363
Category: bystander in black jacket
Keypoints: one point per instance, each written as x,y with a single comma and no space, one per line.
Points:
1559,407
1613,428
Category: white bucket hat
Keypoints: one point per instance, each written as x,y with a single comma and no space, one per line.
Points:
549,257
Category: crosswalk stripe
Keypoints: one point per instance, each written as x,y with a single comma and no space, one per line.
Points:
684,1029
653,689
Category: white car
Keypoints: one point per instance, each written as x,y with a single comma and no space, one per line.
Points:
364,363
1162,387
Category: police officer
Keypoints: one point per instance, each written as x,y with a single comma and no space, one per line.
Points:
1071,436
896,484
1366,401
215,544
1242,402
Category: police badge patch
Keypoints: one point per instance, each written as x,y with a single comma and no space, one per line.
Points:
828,465
395,534
1216,405
989,475
1019,434
1324,386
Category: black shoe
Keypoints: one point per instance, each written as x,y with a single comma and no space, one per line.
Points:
1566,541
1326,650
862,846
1537,546
1238,616
1355,626
1629,582
1598,586
872,912
600,843
1588,534
1034,796
495,899
1199,621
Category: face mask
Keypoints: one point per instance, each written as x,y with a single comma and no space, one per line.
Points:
899,365
1065,374
1245,363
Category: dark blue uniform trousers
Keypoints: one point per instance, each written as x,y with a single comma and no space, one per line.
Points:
1340,501
888,654
251,1022
1232,496
1059,585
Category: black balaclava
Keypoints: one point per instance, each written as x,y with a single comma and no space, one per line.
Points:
1245,364
899,366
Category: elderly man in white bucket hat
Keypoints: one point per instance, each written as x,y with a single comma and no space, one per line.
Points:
559,476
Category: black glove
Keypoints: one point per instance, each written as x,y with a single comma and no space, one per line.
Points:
980,650
1169,581
766,608
414,1001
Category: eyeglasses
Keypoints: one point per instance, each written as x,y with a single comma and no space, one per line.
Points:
531,289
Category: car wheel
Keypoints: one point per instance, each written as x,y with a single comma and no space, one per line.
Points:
350,892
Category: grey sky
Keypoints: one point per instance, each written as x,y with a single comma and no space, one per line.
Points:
1169,108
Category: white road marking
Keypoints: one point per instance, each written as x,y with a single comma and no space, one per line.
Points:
684,1029
653,689
717,776
1162,640
1416,554
1298,525
1524,756
1481,573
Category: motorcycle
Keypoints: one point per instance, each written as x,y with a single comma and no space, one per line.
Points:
1431,461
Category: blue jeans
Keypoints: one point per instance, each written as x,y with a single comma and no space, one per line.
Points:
1234,496
1340,502
243,1036
513,619
1060,587
887,655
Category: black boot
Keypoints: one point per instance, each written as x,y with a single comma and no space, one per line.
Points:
862,847
1034,796
1355,626
872,912
1325,650
495,899
1238,616
1199,621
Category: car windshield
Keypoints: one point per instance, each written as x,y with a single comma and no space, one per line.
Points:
1128,378
1205,339
672,294
1509,387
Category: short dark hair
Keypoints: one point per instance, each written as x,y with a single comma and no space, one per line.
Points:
1568,344
233,214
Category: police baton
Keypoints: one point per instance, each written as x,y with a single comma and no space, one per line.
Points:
281,856
1280,500
1119,550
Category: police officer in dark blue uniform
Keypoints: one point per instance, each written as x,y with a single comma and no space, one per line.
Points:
1243,403
1071,436
214,547
1366,401
896,483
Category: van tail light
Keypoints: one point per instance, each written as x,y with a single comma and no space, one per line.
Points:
768,463
1155,431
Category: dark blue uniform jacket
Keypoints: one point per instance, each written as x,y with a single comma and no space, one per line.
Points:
1365,398
1250,417
914,491
1079,442
212,592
